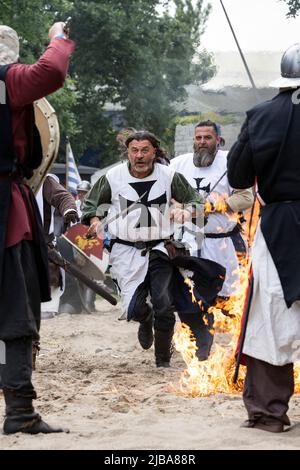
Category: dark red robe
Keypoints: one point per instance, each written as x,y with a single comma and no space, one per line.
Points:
20,145
26,84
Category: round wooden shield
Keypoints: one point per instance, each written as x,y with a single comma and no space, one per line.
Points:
47,124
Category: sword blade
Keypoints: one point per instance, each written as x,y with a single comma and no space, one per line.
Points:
55,257
121,213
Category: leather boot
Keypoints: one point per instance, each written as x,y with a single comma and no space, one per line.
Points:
145,332
163,347
21,417
264,424
68,308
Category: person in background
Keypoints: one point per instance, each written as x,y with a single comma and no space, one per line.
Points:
82,189
77,297
205,170
52,195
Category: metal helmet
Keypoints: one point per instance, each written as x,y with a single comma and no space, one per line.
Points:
290,68
84,186
290,62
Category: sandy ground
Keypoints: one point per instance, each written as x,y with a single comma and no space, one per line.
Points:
93,377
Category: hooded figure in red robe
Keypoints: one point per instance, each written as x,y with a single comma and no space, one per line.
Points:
23,255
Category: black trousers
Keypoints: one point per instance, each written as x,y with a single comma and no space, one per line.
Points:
267,390
19,317
20,298
158,285
201,325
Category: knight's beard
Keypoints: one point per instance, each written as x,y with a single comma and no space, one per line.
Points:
204,157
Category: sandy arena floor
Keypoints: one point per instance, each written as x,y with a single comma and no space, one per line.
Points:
93,377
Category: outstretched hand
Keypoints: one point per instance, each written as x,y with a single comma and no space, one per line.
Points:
57,28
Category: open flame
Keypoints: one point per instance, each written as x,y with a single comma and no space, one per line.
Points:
208,377
297,377
215,375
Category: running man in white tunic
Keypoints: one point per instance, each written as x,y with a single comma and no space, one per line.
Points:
140,262
206,171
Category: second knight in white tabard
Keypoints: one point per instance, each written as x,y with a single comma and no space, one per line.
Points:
205,169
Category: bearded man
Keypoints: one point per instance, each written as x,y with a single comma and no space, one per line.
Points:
205,170
140,260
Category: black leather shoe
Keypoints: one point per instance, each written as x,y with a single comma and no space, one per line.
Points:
201,358
162,364
145,333
68,308
34,426
264,425
20,416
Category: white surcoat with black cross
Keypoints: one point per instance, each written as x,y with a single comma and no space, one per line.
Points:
220,250
149,220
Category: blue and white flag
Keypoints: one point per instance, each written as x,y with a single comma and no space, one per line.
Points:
72,174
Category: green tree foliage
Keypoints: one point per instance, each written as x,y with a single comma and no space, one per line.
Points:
137,54
32,20
294,7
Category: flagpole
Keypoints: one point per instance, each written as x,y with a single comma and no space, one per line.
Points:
256,93
67,162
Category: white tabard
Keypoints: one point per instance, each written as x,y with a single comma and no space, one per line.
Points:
273,330
150,220
220,250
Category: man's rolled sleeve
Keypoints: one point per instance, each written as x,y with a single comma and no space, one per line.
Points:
241,199
28,83
100,194
184,193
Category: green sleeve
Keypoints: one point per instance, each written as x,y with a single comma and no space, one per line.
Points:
183,192
99,195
